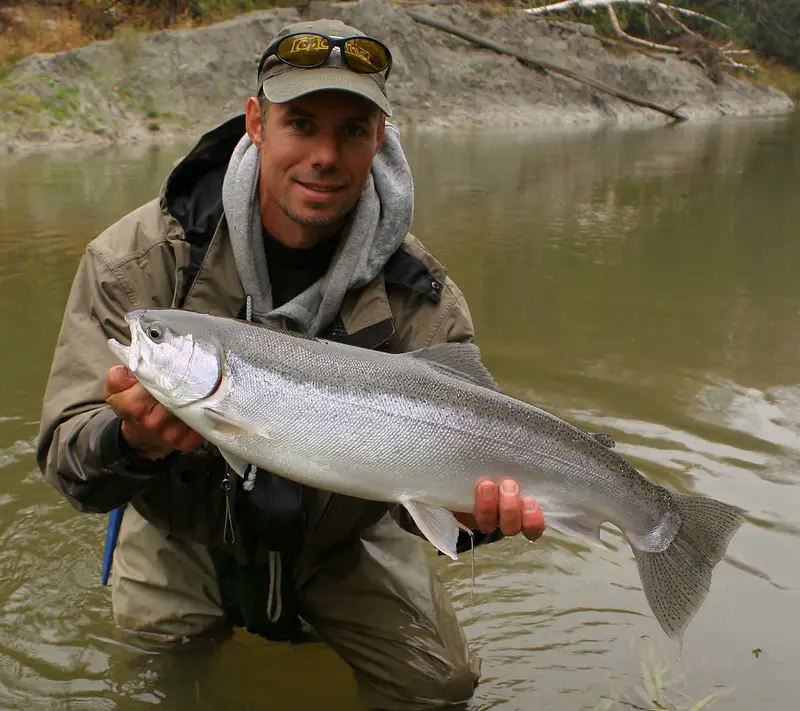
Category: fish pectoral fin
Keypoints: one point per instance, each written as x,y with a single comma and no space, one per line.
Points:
459,360
228,425
438,525
576,525
605,439
236,463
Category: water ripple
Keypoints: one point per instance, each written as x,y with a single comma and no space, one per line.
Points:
17,452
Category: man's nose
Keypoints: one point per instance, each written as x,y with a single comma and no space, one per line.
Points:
326,152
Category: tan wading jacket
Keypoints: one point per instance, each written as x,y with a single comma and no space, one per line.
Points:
175,251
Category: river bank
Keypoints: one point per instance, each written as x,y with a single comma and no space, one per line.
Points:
157,86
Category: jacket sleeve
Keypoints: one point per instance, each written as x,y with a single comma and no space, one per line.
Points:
80,450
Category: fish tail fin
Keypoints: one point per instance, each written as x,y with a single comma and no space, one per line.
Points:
677,580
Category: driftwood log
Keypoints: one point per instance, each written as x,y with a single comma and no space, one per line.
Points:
533,62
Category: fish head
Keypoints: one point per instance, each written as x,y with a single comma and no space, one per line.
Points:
176,365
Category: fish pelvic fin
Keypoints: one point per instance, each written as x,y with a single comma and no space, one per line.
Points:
225,424
677,580
438,525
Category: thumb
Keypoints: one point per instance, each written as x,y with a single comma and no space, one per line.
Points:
119,378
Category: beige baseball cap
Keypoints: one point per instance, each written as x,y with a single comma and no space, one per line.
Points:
282,82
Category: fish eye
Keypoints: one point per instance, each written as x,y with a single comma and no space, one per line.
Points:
155,332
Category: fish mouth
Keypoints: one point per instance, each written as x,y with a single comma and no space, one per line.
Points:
129,355
123,353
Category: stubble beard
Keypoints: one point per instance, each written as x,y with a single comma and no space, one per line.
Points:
315,221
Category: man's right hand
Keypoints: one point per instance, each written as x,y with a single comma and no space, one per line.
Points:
147,426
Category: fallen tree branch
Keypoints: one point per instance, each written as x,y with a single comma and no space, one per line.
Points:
671,15
653,12
529,61
589,4
752,68
619,32
613,42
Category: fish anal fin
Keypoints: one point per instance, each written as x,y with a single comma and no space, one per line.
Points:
438,525
459,360
576,525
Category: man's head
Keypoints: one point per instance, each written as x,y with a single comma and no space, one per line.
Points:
319,121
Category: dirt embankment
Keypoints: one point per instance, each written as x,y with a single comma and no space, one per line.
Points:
144,87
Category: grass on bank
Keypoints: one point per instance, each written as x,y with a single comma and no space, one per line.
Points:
781,77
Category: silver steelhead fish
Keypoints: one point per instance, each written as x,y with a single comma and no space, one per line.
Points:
418,429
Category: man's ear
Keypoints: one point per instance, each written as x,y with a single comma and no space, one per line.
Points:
381,131
252,119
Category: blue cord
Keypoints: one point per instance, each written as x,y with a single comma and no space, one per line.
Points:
112,533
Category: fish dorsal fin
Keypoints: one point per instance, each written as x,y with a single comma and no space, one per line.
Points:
605,439
459,360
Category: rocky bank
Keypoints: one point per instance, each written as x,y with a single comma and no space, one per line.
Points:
179,82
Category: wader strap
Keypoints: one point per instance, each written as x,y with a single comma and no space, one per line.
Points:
259,598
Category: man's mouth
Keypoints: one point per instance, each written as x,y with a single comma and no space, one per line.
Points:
320,187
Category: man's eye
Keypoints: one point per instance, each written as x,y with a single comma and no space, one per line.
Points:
301,124
354,130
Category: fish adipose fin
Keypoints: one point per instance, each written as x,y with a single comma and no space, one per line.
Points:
578,526
605,439
460,360
438,525
677,580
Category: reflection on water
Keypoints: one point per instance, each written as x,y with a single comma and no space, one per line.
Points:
641,283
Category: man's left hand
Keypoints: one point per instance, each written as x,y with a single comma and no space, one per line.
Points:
505,508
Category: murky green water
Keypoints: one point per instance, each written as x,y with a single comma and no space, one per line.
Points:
641,283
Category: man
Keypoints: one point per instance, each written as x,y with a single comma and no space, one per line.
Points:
296,213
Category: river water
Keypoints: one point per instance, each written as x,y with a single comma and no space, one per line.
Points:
642,283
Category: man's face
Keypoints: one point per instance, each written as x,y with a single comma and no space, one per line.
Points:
316,157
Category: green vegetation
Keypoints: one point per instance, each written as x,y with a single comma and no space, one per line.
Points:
18,102
63,102
772,27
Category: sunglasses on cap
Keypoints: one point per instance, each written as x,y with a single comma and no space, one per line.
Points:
306,50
